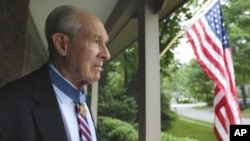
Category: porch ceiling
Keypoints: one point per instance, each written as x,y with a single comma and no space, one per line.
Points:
119,16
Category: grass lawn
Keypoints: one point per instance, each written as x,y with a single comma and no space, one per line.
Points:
196,129
246,112
186,127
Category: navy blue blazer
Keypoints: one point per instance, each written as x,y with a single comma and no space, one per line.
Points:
29,110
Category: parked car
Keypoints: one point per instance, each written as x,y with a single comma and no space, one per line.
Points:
241,103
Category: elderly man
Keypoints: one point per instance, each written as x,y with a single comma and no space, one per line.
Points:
49,103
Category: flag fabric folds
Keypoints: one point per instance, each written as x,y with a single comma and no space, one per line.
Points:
209,40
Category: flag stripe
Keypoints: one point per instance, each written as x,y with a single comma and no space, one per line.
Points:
210,43
205,60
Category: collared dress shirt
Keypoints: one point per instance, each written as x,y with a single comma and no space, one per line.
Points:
67,107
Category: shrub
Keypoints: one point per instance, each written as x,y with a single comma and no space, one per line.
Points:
111,129
116,130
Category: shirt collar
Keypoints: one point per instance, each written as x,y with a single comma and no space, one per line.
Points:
65,86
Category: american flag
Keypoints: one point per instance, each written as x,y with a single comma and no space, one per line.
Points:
209,40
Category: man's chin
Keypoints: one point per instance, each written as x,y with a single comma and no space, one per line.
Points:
94,79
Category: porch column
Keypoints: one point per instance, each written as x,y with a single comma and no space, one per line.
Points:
94,100
149,73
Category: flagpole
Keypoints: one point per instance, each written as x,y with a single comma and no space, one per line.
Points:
181,31
171,43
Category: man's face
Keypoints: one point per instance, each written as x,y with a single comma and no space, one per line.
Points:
87,53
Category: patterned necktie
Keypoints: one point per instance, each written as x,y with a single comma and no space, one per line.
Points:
84,130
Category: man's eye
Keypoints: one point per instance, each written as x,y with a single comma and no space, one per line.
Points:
97,41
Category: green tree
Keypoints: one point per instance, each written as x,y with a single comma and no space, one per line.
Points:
174,84
169,28
237,20
118,92
199,85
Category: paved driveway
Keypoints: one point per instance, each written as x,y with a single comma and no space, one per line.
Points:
205,115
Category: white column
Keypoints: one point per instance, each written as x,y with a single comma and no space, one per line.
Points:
149,74
94,100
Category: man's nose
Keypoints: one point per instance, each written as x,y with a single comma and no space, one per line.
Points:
105,53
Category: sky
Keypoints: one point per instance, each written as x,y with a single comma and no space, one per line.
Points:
184,52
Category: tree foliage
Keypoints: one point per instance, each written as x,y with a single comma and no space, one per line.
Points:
169,28
199,85
117,98
237,20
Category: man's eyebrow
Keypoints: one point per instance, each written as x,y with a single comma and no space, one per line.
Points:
99,37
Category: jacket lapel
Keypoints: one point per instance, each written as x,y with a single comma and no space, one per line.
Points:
47,114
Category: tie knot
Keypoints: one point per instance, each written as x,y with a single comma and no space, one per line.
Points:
79,89
81,97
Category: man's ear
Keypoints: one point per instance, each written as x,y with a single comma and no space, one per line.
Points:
60,42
